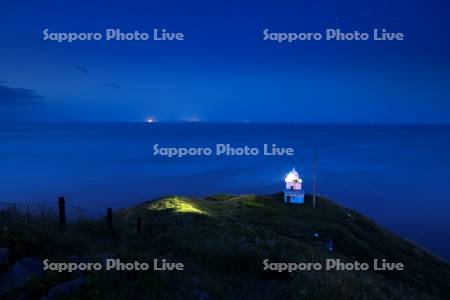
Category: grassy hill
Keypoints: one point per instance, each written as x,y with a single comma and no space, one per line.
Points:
223,241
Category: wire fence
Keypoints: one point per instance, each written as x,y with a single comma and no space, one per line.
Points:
38,215
48,216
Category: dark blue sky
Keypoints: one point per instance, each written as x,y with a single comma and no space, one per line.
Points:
224,71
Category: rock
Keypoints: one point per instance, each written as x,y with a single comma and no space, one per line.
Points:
20,274
200,295
65,288
4,256
195,280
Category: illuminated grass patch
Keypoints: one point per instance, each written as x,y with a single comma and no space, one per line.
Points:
176,204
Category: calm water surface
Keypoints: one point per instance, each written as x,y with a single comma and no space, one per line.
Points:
397,175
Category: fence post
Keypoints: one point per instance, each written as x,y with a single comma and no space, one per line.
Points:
62,211
139,226
14,213
27,214
109,217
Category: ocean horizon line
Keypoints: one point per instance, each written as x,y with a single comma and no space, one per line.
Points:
233,123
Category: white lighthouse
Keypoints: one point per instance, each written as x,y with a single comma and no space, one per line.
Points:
293,192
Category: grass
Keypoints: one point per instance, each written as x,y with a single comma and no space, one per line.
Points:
177,204
222,241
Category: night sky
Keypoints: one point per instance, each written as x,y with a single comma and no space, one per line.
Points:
224,71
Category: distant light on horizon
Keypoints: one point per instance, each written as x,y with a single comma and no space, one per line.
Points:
150,120
192,120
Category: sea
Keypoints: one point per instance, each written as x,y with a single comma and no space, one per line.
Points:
398,175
